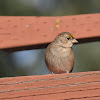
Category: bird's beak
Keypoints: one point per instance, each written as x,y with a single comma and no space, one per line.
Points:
74,41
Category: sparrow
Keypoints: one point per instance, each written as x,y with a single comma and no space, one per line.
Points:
59,55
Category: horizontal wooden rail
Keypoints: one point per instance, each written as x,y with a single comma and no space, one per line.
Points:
22,31
74,86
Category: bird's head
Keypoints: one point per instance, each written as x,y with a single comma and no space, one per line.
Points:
65,39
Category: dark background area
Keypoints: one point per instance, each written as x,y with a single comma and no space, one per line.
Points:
31,62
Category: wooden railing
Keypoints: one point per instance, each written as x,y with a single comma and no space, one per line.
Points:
21,33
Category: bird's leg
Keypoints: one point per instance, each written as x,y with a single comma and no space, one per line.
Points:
67,71
52,73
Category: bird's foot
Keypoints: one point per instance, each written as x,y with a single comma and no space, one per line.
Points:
52,73
67,71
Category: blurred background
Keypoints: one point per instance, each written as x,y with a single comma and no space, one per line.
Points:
32,62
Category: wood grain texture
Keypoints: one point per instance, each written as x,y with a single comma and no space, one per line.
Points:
22,31
74,86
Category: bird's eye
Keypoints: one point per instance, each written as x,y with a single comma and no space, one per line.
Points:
67,38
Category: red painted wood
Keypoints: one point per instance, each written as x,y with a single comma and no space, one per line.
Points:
74,86
25,31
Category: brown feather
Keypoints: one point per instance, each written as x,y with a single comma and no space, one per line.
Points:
59,56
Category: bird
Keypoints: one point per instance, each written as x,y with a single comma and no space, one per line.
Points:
59,56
